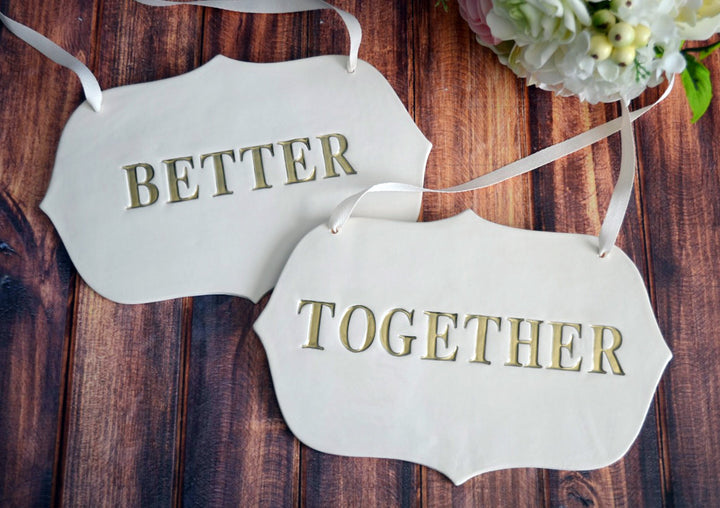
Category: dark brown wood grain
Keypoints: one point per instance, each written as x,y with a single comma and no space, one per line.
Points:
680,181
474,112
125,384
239,452
510,487
122,451
172,403
236,35
36,276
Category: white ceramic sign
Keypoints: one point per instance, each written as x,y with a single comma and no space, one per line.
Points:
462,345
203,183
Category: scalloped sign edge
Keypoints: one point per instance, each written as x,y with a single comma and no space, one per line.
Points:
121,272
308,418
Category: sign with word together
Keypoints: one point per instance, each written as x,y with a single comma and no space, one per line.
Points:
462,345
203,183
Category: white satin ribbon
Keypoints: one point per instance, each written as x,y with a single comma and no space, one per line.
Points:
276,7
623,188
618,203
90,84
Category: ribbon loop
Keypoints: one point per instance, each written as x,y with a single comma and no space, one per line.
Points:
618,203
276,7
90,84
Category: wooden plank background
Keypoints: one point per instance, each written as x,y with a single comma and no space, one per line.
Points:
172,403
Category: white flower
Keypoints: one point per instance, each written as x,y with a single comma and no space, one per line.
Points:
699,19
534,21
549,43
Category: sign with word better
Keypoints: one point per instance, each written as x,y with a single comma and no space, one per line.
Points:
203,183
462,345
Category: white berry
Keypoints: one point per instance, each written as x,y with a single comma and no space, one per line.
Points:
621,35
600,47
642,36
624,56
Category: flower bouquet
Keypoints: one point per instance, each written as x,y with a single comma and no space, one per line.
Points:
600,51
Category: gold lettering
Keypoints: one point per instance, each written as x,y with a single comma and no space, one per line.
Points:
258,168
217,159
558,345
433,335
331,157
481,336
369,330
599,351
174,180
292,160
134,185
385,332
563,341
515,342
313,341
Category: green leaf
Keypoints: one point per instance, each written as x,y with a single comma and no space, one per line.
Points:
698,88
442,3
